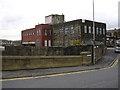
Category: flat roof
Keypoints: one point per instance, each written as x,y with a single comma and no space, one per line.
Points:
80,20
54,15
28,29
35,27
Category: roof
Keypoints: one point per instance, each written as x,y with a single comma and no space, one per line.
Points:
54,15
81,20
35,27
28,29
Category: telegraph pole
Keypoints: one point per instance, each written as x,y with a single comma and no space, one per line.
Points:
94,59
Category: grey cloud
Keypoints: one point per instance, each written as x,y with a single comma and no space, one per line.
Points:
9,22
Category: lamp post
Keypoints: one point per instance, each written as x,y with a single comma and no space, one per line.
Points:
94,59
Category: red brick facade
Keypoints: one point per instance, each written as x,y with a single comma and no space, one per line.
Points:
41,35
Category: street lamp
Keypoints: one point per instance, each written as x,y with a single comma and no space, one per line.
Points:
93,35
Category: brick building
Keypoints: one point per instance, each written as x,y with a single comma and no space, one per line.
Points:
57,32
41,35
112,36
78,30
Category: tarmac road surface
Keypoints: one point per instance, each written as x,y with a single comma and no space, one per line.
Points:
101,78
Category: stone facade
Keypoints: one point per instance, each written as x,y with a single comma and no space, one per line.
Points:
54,19
76,32
65,34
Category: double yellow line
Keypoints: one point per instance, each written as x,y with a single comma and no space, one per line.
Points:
23,78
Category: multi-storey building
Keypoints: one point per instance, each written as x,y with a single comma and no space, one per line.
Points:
41,35
81,30
57,32
112,36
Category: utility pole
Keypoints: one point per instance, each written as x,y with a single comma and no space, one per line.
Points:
94,59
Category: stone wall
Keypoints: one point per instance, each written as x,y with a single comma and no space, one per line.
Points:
100,52
17,58
12,51
33,62
44,51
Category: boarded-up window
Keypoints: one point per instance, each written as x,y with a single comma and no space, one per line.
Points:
45,43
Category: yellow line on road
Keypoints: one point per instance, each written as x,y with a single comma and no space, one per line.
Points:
115,63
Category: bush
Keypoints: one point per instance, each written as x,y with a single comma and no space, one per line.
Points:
76,42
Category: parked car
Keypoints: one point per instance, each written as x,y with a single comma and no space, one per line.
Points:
117,46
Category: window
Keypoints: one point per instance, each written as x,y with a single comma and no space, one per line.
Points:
30,33
49,43
90,29
79,29
50,32
97,30
47,32
85,29
71,27
45,43
66,30
100,30
103,31
33,33
39,32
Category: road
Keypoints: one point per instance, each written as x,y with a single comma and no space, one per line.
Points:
104,78
106,60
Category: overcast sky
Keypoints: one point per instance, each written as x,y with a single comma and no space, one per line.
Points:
17,15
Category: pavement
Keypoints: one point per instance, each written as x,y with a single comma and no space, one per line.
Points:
105,61
100,78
